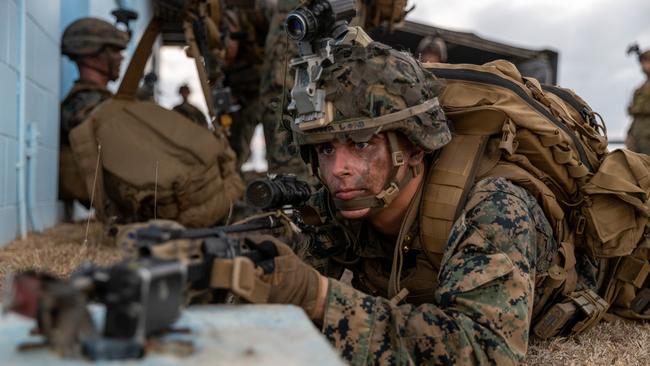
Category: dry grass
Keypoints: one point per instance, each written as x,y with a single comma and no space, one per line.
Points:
58,250
615,343
61,249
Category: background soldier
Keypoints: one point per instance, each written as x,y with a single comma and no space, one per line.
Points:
187,109
96,47
432,49
245,45
638,136
275,86
147,91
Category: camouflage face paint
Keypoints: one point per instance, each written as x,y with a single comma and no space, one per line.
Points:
355,169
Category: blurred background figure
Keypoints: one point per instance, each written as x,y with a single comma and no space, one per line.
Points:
147,90
95,46
189,110
432,49
638,136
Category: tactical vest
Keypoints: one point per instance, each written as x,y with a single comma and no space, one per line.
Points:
548,141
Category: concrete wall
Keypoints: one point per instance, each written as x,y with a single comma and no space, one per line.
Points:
41,109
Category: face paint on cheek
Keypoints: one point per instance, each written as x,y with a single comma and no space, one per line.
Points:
376,167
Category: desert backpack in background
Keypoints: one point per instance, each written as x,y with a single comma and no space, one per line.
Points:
143,161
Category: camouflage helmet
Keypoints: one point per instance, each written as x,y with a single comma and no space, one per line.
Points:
87,36
435,45
374,89
369,90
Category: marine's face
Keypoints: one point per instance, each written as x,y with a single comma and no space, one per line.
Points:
357,169
429,57
115,58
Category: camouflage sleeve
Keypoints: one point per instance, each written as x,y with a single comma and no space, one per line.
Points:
483,304
76,109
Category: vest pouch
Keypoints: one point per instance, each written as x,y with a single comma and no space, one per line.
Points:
615,213
580,311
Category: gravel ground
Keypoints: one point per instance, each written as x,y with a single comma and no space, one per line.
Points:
63,248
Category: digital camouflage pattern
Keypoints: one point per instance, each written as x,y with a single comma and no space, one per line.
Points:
75,108
77,105
243,76
373,81
638,138
482,305
192,112
275,86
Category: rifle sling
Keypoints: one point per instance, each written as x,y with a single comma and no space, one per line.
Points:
238,275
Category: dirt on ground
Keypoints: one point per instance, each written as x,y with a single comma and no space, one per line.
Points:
59,250
63,248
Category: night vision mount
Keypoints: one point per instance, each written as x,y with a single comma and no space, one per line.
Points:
316,27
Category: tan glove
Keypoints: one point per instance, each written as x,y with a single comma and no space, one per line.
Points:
292,281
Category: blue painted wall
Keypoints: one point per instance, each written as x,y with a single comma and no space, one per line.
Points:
42,112
49,76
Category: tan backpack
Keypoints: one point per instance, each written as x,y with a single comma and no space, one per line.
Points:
143,161
549,141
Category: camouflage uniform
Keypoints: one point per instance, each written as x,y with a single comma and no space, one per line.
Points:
480,305
243,77
75,108
473,304
84,37
77,105
277,79
638,138
191,112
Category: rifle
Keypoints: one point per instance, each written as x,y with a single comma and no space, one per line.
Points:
170,267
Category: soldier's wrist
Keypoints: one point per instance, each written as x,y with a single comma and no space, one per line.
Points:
319,309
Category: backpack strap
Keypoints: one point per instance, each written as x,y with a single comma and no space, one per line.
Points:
446,188
131,79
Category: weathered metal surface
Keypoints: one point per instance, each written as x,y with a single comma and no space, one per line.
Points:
221,335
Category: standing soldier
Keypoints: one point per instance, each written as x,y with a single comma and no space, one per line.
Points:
638,136
275,86
245,56
188,110
96,47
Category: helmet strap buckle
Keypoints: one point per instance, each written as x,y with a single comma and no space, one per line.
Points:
398,158
389,194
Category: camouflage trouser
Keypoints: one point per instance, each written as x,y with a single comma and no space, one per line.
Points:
638,136
242,130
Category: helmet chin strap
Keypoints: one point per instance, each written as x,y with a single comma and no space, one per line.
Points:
106,71
391,188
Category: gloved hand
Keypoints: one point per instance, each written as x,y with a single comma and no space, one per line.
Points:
292,281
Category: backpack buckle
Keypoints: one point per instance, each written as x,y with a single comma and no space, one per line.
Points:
580,225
